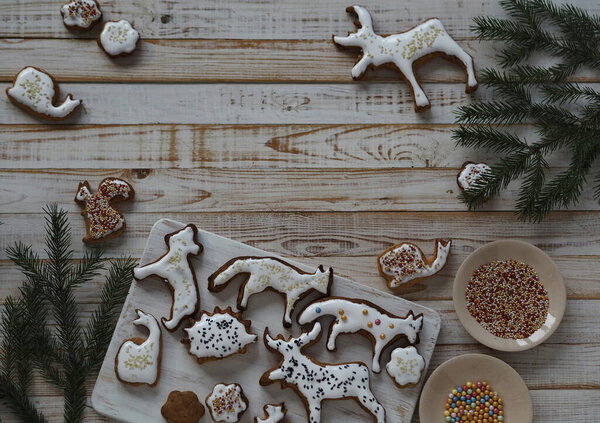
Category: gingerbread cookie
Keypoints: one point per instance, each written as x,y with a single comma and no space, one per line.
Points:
81,15
175,268
118,38
405,264
314,381
406,366
138,359
227,403
182,407
470,173
35,91
404,51
102,219
274,413
366,318
218,335
274,274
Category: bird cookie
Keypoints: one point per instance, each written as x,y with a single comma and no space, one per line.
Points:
274,413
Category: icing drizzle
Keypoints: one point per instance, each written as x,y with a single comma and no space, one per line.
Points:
227,402
119,38
274,413
470,173
406,366
81,13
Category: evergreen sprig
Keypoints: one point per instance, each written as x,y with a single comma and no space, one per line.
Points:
565,115
65,356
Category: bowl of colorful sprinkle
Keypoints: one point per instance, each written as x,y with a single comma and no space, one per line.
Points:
509,295
475,388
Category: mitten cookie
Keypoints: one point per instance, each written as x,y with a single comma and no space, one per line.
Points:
182,407
274,413
469,174
118,38
81,15
406,366
227,403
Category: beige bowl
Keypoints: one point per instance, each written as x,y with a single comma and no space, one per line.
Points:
549,276
476,367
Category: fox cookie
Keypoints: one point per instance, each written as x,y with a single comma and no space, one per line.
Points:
271,273
404,51
274,413
314,381
102,219
405,264
405,366
365,318
227,403
218,335
176,269
469,174
36,91
182,407
138,360
81,15
118,38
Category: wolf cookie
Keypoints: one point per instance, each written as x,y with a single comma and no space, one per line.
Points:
404,51
118,38
138,360
274,274
274,413
102,219
35,91
81,15
218,335
405,366
314,381
176,269
366,318
227,403
182,407
405,264
470,173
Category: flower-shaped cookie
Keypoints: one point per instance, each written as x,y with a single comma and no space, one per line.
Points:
118,38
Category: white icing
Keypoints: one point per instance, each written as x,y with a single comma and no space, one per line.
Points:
406,366
175,270
471,173
226,403
218,336
316,382
140,363
273,413
81,13
119,38
353,316
270,273
406,262
404,49
35,90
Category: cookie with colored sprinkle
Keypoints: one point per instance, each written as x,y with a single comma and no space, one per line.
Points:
227,403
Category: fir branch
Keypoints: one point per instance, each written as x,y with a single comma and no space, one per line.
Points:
489,138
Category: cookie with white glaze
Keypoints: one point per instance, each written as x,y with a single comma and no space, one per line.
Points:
274,413
81,15
182,407
227,403
470,173
406,366
118,38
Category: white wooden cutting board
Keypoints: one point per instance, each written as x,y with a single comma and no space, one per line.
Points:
180,371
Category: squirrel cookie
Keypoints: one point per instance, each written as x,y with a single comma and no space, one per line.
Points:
469,174
405,264
118,38
182,407
81,15
314,381
227,403
35,91
406,366
218,335
176,269
366,318
274,274
102,219
404,51
138,359
274,413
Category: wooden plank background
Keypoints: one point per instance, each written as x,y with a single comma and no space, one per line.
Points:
241,117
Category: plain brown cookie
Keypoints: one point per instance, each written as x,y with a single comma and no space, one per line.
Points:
182,407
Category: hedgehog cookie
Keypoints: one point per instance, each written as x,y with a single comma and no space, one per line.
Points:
118,38
227,403
81,15
470,173
405,366
274,413
182,407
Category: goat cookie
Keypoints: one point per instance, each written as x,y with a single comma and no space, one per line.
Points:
81,15
404,51
102,219
406,366
274,274
227,403
405,264
316,382
118,38
365,318
182,407
274,413
176,269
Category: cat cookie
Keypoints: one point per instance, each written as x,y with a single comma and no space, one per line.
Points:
405,366
262,273
176,269
118,38
404,51
314,381
36,91
274,413
405,264
81,15
182,407
227,403
366,318
218,335
470,173
138,359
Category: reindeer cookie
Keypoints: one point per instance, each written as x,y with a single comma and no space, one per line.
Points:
404,51
138,360
118,38
274,274
314,381
469,174
81,15
406,366
35,91
102,219
227,403
365,318
274,413
176,269
405,264
182,407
